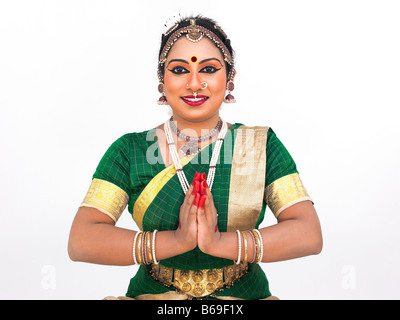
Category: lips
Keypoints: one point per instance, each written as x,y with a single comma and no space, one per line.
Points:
194,102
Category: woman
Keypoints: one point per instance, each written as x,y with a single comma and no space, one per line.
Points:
197,187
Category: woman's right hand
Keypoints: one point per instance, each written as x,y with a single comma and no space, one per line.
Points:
186,234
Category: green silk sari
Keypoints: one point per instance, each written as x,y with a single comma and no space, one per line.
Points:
254,170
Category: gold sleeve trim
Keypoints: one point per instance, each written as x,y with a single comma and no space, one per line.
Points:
285,192
107,198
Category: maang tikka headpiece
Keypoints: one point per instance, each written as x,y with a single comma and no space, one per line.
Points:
195,33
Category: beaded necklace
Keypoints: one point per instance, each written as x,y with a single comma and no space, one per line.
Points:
177,163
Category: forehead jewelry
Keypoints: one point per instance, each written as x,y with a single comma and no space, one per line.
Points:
195,33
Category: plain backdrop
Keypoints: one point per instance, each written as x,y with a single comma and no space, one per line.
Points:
77,75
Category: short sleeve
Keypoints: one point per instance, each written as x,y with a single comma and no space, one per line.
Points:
110,186
284,187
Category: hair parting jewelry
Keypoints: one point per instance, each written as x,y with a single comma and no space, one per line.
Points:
144,251
195,33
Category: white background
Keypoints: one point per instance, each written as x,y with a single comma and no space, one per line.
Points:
76,75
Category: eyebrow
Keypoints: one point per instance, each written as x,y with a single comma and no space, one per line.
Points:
202,61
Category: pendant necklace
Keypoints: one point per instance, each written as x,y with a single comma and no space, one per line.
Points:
192,143
214,157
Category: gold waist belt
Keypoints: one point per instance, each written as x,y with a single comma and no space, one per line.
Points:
199,283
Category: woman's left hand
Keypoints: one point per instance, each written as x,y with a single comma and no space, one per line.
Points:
207,220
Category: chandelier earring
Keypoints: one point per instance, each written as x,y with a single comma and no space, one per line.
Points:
230,86
163,99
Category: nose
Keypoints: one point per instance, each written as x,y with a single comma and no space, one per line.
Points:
194,83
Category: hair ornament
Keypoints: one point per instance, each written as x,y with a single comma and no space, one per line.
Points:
171,29
194,33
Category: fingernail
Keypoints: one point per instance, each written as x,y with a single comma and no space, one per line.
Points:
203,187
197,176
196,200
203,176
202,201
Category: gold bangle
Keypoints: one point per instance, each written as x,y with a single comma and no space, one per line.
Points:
252,236
258,246
144,244
245,247
149,248
261,245
139,248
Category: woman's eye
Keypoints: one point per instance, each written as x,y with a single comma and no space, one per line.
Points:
209,69
178,70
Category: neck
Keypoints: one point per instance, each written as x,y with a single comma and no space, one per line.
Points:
198,128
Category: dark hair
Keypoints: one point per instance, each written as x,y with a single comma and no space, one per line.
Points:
205,22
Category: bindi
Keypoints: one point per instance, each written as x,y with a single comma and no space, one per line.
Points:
193,59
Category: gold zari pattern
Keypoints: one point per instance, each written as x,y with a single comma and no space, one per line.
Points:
106,197
285,192
199,283
247,177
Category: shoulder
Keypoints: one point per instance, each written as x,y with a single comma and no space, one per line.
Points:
134,139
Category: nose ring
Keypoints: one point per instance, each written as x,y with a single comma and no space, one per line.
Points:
203,83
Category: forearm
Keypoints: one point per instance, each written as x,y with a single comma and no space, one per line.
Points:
286,240
103,243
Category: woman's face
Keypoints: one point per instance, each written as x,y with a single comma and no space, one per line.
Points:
188,67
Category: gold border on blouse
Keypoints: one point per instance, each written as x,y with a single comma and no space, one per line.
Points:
285,192
107,198
246,190
152,189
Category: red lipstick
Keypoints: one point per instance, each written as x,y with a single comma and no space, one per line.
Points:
193,101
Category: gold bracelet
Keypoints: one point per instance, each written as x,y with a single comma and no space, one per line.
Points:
252,236
139,248
149,248
245,246
144,253
261,245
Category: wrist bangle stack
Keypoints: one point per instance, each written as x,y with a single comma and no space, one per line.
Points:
258,246
144,251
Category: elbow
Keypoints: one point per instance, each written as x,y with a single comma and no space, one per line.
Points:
73,250
316,245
